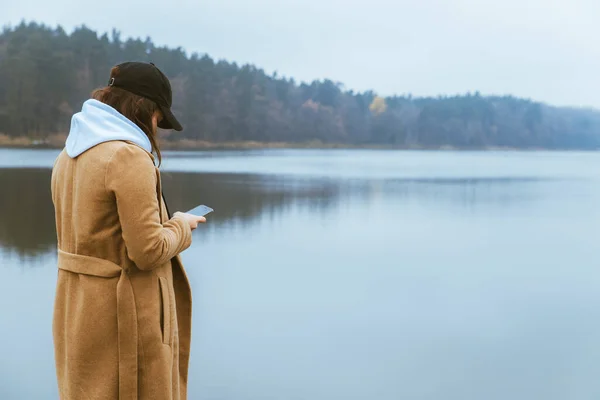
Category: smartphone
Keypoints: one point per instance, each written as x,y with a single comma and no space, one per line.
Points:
201,211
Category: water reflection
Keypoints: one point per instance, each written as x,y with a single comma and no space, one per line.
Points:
246,198
26,212
27,216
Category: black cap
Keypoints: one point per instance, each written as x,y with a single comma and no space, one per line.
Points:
146,80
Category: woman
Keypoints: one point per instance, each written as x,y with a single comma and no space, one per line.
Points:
122,316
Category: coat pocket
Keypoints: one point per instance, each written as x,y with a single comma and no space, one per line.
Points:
165,316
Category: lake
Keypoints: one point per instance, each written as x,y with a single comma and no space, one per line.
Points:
350,274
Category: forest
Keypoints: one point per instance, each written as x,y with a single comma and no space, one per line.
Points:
46,73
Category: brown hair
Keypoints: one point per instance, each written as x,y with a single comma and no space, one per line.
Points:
137,109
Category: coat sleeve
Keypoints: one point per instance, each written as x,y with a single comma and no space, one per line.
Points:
131,178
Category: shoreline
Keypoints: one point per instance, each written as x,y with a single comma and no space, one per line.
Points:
56,142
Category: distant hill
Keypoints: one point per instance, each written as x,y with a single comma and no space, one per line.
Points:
45,74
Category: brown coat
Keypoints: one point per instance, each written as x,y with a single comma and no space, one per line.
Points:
122,316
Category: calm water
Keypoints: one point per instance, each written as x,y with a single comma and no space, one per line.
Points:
371,275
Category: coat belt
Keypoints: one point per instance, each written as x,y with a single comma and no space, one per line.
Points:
126,314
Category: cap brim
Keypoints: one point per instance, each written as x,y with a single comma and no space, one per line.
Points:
169,121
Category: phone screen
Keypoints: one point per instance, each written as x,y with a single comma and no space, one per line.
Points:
201,211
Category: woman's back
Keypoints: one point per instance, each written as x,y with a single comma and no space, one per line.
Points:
86,215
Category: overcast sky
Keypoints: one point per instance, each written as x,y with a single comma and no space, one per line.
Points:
547,50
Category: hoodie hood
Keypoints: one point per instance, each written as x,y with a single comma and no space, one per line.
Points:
98,123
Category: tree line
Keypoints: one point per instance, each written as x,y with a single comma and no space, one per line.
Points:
46,73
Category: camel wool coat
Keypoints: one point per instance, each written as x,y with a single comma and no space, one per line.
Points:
122,314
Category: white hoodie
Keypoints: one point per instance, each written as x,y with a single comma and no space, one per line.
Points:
98,123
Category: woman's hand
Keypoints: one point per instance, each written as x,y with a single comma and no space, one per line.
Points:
191,219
